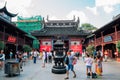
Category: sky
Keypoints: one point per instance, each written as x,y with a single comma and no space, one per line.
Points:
95,12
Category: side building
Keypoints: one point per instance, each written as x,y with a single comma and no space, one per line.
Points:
12,37
55,31
106,38
29,24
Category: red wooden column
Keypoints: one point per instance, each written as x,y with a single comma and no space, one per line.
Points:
95,41
102,42
116,35
116,39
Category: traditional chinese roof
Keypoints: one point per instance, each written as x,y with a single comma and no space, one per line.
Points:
6,11
60,30
10,26
51,31
108,25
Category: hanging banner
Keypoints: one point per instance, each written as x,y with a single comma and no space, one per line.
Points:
76,48
11,39
45,47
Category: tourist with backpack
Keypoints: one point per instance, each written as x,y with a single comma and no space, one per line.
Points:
70,61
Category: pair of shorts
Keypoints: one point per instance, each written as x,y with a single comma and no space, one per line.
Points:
70,67
88,67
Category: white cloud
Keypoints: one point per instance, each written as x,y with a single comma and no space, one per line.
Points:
2,3
93,10
107,5
80,14
17,6
108,9
22,3
106,2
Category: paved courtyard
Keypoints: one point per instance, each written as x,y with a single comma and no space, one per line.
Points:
32,71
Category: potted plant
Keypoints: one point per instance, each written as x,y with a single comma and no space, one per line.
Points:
26,48
90,49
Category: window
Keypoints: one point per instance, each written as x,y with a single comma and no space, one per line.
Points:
66,23
72,23
60,24
48,24
54,24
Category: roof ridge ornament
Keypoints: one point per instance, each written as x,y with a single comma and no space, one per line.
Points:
73,17
78,20
47,17
4,9
5,3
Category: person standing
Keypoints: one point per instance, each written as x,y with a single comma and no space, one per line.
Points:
20,56
2,58
50,56
116,54
83,55
35,54
99,66
11,54
89,62
106,55
94,54
70,65
44,58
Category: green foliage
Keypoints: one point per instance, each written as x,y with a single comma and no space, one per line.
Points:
87,26
27,48
36,44
90,49
2,45
118,46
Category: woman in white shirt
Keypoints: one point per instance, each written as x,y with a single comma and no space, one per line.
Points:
44,57
89,62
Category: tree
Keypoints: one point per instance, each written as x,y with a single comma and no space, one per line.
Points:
2,45
90,49
118,46
27,48
87,26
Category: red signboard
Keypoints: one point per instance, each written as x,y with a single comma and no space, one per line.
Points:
11,39
46,47
76,48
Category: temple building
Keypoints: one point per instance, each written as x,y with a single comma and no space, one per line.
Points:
61,30
12,37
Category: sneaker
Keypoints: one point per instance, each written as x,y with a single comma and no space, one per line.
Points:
66,78
88,76
74,76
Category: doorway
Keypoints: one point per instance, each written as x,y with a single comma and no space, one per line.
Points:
10,47
111,49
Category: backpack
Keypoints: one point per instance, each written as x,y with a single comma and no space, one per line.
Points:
94,75
66,60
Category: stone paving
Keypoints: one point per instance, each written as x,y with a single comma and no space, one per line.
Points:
32,71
